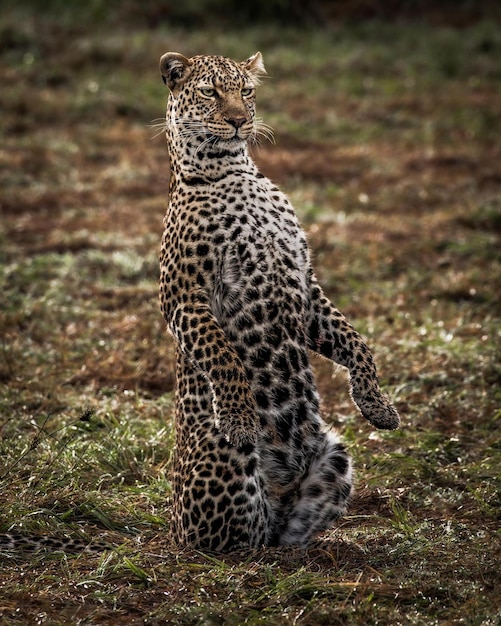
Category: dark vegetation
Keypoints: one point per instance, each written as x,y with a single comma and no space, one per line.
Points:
387,141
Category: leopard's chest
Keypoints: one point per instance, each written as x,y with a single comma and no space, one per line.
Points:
260,262
241,241
239,244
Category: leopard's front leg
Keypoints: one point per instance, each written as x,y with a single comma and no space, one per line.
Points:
203,342
332,336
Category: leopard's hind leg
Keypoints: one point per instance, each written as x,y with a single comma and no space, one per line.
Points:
322,496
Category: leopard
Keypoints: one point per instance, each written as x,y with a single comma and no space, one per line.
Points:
254,462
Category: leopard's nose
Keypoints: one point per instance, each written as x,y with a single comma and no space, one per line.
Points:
236,122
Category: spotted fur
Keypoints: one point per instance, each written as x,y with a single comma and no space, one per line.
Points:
254,462
18,543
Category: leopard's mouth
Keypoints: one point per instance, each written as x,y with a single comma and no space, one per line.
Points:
224,141
217,142
236,137
229,135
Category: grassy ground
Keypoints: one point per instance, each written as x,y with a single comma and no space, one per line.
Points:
388,144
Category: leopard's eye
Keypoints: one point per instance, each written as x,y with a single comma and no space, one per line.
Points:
247,91
208,92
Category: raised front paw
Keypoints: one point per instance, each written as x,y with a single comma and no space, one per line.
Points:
239,428
378,410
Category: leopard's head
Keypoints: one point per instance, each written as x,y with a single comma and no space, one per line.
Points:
212,98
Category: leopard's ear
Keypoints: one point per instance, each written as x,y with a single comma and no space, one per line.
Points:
175,69
254,66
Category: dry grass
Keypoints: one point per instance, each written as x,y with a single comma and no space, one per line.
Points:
387,142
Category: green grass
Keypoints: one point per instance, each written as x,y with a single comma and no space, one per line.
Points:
387,145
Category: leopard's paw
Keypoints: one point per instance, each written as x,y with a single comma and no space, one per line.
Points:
378,410
238,428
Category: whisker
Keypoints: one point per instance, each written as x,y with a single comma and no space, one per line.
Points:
263,130
160,124
188,128
212,139
161,131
